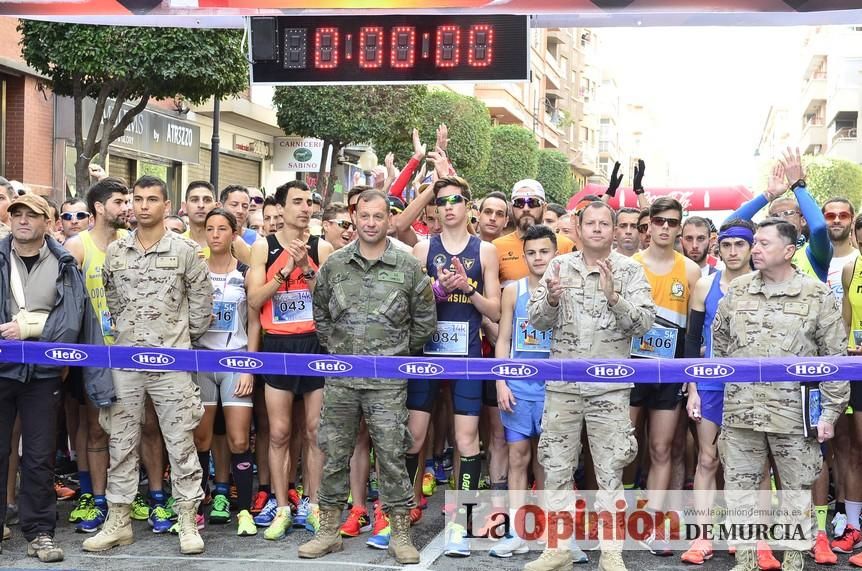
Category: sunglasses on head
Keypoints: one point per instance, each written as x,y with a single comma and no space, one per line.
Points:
343,224
833,216
69,216
257,199
661,221
451,200
530,202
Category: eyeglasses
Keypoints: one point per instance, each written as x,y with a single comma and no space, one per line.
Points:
784,213
450,200
833,216
643,228
394,211
257,199
527,202
343,224
660,221
69,216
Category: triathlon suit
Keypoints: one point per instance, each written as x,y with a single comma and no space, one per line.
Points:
711,391
287,318
666,339
457,335
228,332
525,420
854,296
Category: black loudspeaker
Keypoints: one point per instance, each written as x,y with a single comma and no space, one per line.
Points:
264,35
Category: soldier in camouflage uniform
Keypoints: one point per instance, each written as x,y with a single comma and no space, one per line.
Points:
596,301
158,290
370,299
776,311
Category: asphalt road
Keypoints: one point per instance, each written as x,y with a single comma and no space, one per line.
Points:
226,551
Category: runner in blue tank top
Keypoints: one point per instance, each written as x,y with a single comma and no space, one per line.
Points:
706,397
466,287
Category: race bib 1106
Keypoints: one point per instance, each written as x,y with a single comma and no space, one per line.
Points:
657,343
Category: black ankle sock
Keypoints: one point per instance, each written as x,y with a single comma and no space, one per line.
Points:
471,472
204,459
243,476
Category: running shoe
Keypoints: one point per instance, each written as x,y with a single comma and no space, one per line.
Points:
293,499
160,519
258,502
657,546
380,534
415,515
766,560
220,512
440,472
839,524
373,491
848,541
312,521
821,552
456,542
508,546
357,522
63,491
267,514
93,520
279,526
140,508
302,512
245,524
700,551
85,503
429,484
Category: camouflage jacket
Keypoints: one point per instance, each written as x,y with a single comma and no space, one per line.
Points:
798,318
584,325
159,298
373,307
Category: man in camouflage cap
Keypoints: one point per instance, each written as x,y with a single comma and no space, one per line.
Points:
595,300
777,311
370,299
159,294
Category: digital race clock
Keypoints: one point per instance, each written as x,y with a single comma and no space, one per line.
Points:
388,49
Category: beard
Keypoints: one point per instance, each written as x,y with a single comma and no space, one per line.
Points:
839,234
526,222
118,223
699,260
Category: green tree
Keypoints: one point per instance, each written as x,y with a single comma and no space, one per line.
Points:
514,156
342,115
555,175
828,178
129,64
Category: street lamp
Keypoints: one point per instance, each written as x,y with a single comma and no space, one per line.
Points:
367,162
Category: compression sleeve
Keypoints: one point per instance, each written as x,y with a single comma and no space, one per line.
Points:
694,334
820,246
749,209
400,183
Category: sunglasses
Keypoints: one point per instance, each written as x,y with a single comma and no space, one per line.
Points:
69,216
643,228
451,200
343,224
833,216
394,211
660,221
257,199
527,202
784,213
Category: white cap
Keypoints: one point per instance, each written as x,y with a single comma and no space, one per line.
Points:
528,187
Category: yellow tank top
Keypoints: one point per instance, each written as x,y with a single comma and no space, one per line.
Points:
670,291
854,295
801,261
204,249
94,259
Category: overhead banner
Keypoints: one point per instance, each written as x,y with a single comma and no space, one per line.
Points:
261,7
298,154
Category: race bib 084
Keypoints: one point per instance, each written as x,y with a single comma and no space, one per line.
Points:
450,338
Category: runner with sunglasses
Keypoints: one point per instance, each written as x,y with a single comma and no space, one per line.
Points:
466,287
672,277
338,228
74,217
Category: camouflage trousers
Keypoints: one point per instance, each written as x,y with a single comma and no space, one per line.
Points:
177,401
744,455
385,412
611,437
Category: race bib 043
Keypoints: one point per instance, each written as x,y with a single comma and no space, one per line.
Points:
292,306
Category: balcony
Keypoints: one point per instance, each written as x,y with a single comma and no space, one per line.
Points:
845,134
813,137
559,35
842,101
814,92
504,102
554,74
608,149
845,146
585,161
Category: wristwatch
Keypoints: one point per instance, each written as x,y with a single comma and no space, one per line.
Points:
309,275
471,292
797,184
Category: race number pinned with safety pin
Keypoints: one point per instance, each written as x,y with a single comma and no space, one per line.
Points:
292,306
530,339
657,343
450,338
225,317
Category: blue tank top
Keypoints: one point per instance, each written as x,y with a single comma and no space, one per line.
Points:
527,343
458,308
710,306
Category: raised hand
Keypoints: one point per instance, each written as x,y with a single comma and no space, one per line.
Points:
418,148
615,180
638,183
775,185
442,136
792,162
606,280
555,288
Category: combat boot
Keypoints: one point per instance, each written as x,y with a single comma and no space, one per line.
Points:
552,560
400,545
612,560
793,561
328,537
117,530
191,542
746,560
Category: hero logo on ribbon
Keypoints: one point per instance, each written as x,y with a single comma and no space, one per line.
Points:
421,369
812,369
515,371
66,355
242,363
709,371
330,366
610,371
153,359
